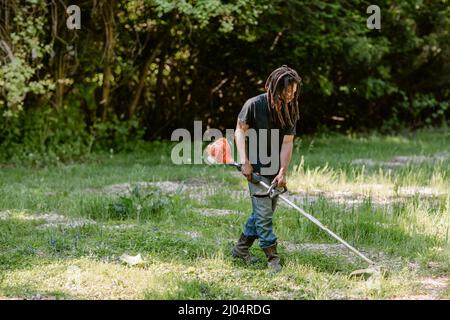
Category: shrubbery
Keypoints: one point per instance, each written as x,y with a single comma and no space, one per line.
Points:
141,68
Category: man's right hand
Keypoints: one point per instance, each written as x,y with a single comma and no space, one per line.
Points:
247,169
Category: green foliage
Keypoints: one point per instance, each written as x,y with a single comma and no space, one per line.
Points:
116,135
43,138
203,11
24,59
427,103
201,59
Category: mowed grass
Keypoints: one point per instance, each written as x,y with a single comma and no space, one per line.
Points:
62,232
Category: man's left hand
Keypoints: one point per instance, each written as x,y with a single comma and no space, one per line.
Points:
280,180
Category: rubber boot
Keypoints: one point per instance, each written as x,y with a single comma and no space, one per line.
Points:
273,261
240,250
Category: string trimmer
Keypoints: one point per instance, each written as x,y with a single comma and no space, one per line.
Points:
219,152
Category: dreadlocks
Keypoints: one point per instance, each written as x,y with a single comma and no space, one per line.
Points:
280,79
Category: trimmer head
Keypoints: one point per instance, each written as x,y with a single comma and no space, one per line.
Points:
371,271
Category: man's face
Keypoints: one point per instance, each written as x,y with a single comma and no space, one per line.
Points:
289,92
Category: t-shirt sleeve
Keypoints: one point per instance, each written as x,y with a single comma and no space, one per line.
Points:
291,131
246,114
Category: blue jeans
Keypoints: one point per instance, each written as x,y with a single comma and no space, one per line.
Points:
259,224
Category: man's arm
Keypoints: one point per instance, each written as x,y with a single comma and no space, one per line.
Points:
246,168
285,159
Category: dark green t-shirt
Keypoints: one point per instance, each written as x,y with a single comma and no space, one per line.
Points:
256,114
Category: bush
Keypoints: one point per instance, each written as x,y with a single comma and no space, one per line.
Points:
140,205
43,137
116,135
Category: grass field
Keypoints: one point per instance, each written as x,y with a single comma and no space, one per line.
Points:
64,228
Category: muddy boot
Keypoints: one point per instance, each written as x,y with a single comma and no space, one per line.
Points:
273,261
240,250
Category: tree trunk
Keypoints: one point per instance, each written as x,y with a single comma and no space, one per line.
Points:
105,92
142,76
108,18
150,57
159,80
60,75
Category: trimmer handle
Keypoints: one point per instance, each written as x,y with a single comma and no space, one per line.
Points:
255,177
271,192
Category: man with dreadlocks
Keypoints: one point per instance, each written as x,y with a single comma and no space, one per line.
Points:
273,114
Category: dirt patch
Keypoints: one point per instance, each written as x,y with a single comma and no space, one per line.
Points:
436,287
68,224
200,190
195,189
302,198
51,220
343,198
119,227
125,188
339,250
169,187
430,288
211,212
54,220
200,194
420,191
401,161
379,195
51,217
